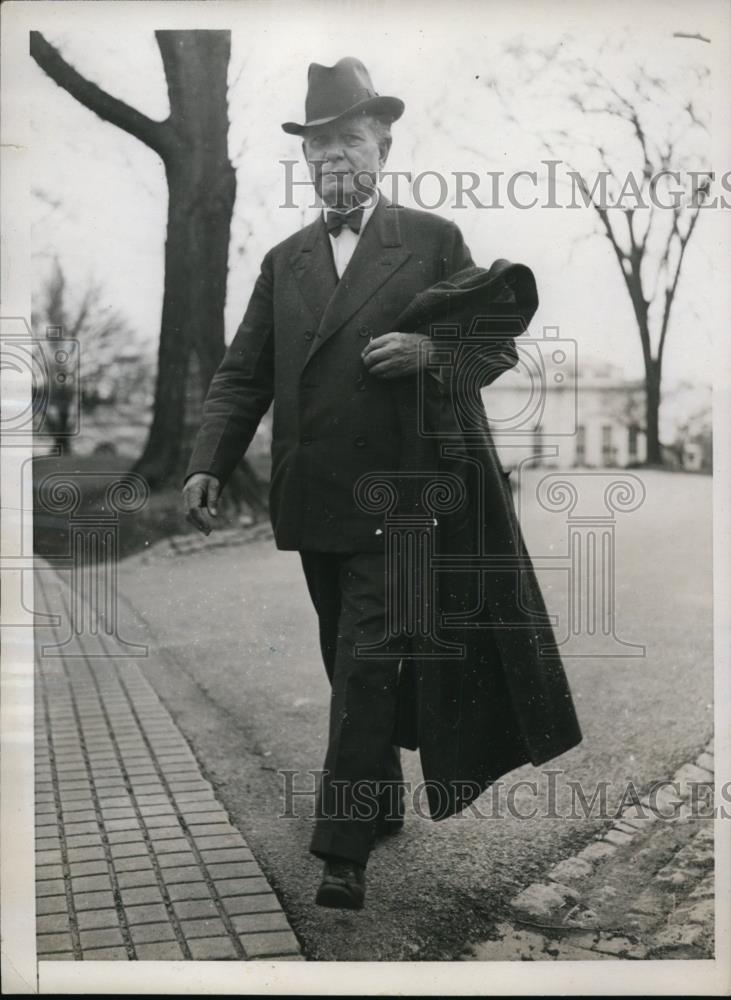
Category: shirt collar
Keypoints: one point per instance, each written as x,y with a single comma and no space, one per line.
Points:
368,210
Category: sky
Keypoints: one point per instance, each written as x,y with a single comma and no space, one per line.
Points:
100,198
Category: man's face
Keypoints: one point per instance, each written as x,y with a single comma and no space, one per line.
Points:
344,159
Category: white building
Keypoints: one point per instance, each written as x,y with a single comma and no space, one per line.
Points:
563,414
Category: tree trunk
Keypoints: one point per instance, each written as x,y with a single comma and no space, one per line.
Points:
201,193
652,411
653,368
193,145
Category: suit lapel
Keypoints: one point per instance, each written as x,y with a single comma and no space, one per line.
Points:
379,253
314,269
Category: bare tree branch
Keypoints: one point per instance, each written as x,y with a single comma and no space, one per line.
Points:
671,289
108,108
649,256
697,35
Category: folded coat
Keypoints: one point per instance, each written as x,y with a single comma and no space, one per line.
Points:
503,700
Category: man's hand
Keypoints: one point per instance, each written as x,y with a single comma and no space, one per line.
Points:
394,354
200,496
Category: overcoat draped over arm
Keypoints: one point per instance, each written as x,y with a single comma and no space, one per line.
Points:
499,697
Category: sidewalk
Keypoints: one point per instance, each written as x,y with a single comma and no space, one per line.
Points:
135,857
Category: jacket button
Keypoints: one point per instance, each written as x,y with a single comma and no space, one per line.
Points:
309,335
307,440
363,331
360,442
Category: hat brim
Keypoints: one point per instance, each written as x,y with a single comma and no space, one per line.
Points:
386,107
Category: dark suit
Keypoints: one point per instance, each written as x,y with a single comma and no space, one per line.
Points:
300,344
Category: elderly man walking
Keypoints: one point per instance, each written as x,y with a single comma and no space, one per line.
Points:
325,337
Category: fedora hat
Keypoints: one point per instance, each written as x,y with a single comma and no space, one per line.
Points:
343,89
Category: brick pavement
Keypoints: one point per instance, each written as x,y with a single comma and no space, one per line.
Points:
135,856
644,889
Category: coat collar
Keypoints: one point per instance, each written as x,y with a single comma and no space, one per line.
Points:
379,253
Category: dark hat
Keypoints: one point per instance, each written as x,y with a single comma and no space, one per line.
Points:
339,90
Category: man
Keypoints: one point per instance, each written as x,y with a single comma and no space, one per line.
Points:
320,338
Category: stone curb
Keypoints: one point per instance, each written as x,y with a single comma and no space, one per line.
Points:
555,919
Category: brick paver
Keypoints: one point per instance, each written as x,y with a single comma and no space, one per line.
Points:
151,933
207,949
135,856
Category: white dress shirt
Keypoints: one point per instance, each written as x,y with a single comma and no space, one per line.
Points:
343,245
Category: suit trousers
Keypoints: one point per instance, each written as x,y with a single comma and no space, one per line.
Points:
362,775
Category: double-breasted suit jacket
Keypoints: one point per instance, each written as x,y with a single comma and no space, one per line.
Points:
506,702
300,344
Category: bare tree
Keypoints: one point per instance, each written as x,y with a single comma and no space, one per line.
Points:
102,334
649,244
629,125
192,143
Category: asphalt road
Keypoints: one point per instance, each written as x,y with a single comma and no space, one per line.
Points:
236,662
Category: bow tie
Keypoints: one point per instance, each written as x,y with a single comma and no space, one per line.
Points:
336,220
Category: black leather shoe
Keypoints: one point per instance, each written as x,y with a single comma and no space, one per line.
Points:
342,886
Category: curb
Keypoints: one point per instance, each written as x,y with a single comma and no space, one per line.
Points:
642,889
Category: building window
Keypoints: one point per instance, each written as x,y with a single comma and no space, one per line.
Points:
609,454
632,440
580,457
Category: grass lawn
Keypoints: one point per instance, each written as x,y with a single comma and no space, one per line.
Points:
161,516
